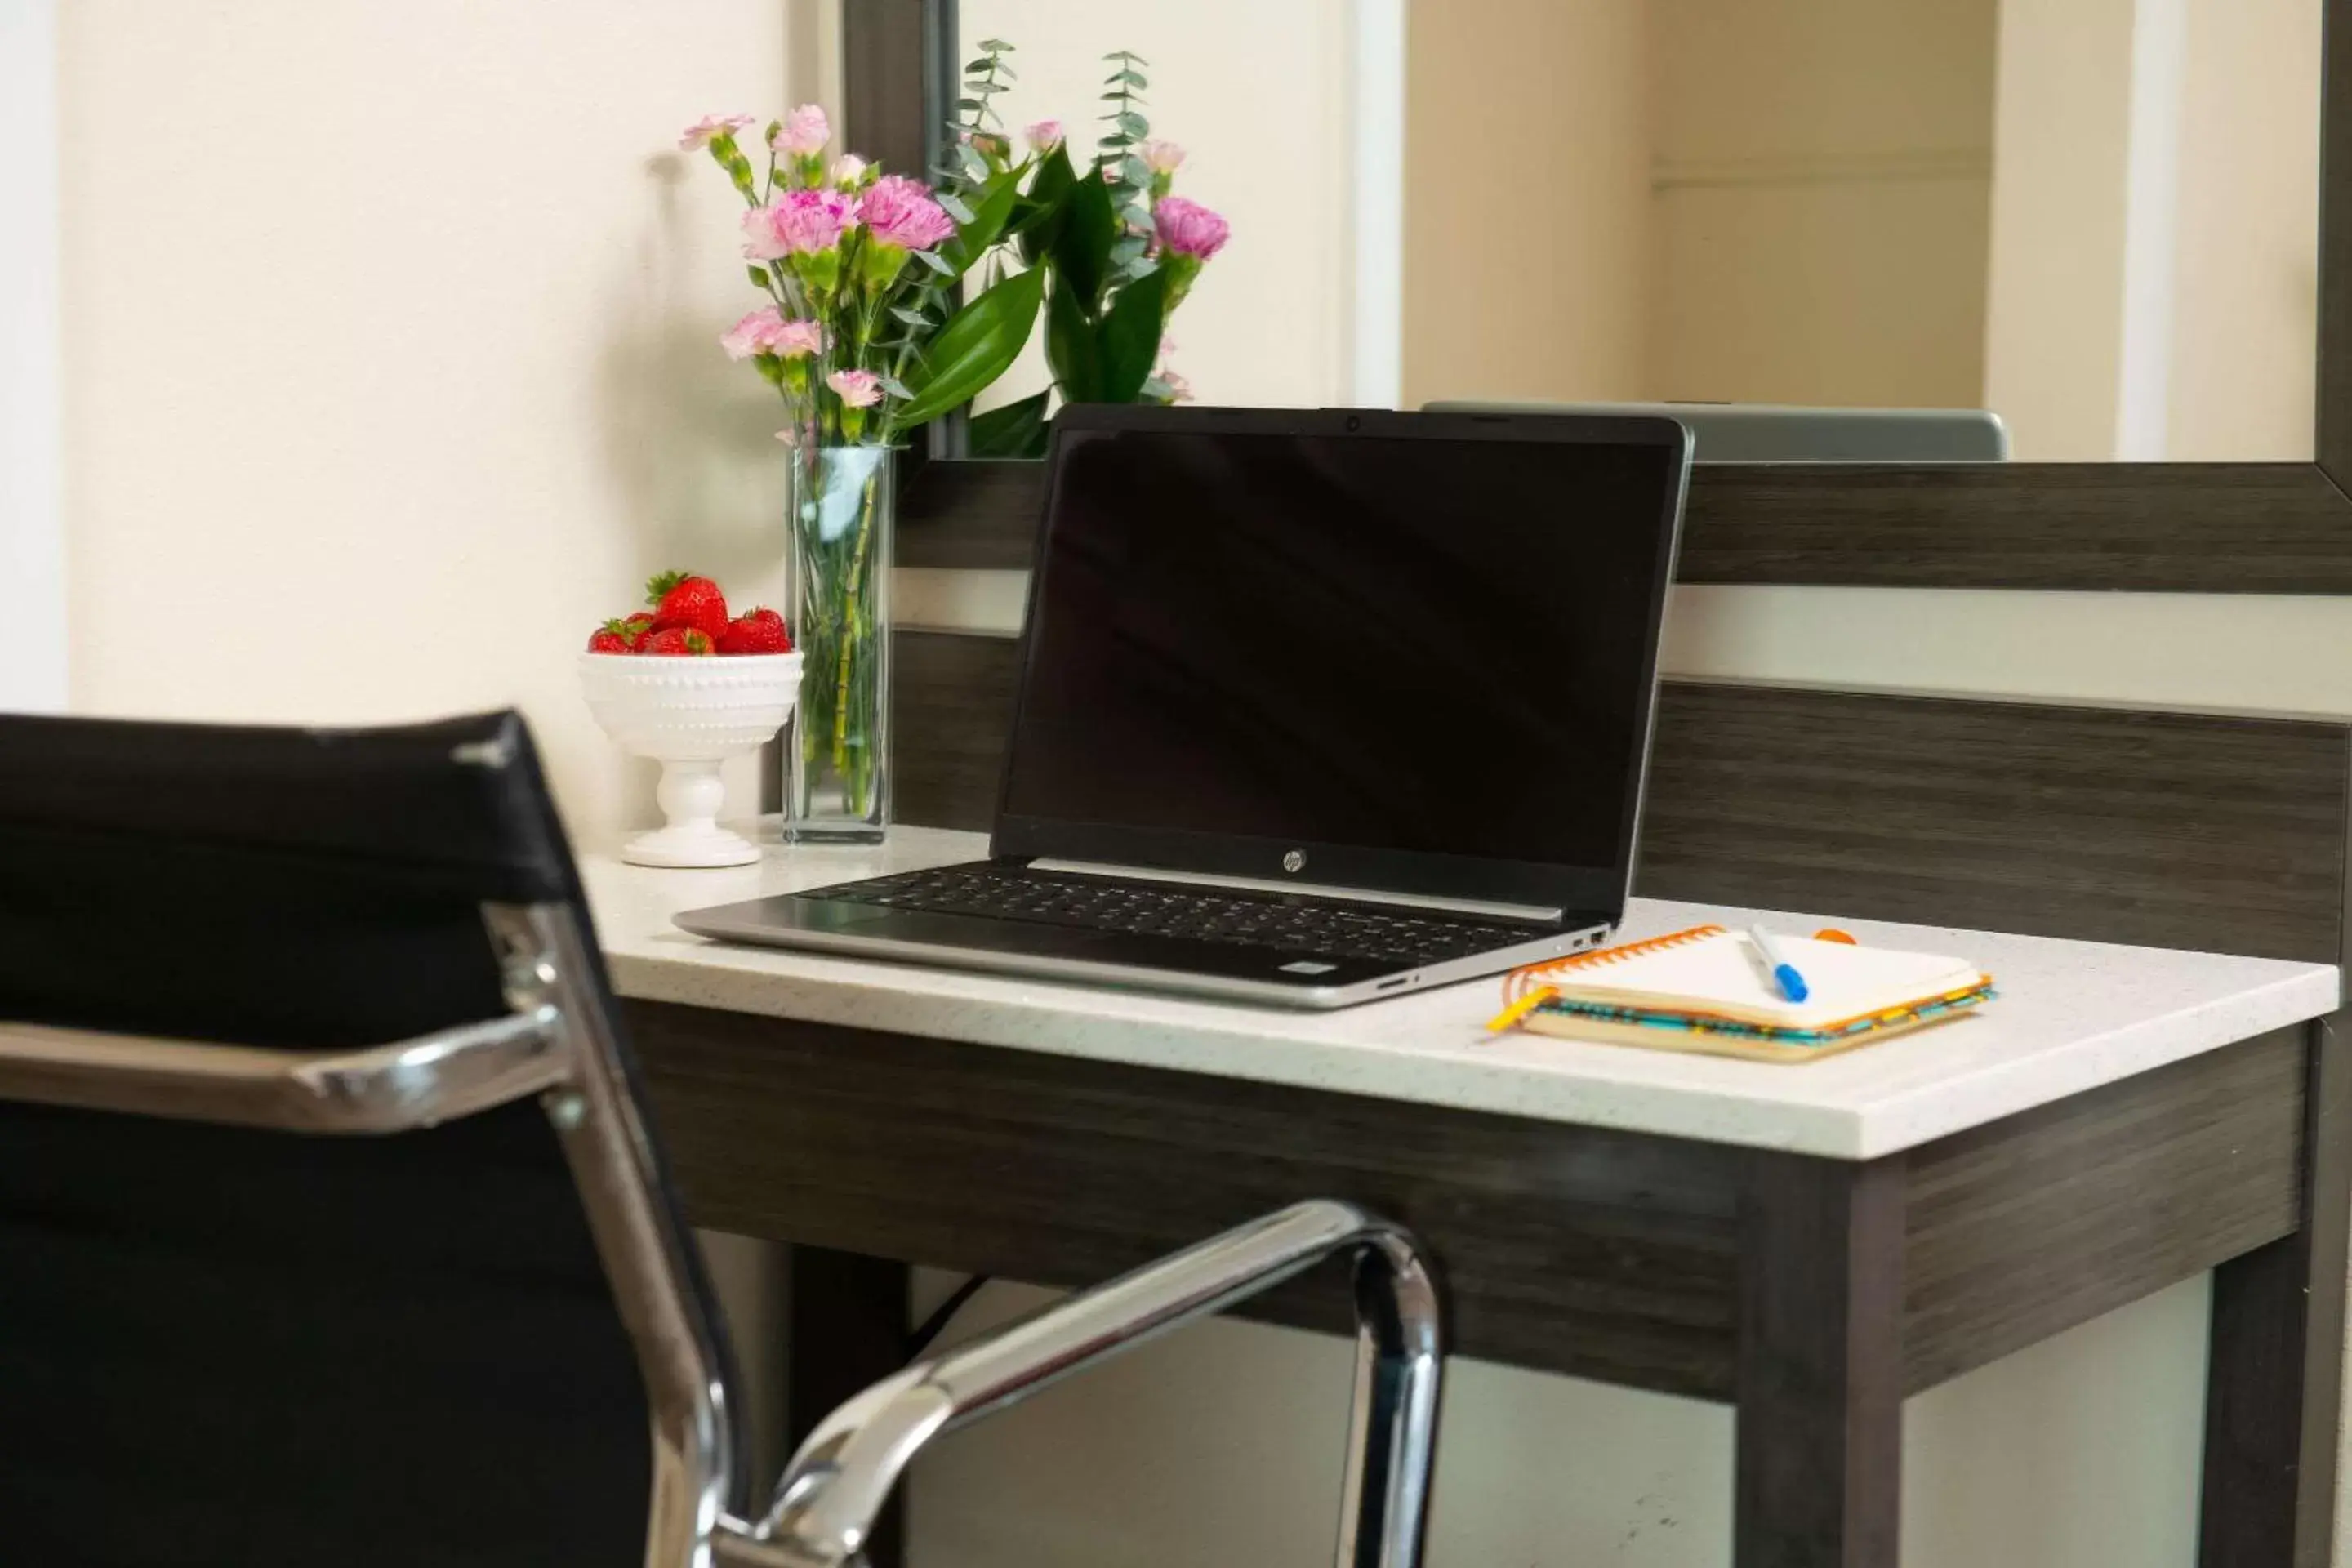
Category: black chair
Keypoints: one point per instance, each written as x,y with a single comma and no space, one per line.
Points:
334,1230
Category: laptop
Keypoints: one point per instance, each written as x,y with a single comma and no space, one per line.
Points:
1781,433
1314,708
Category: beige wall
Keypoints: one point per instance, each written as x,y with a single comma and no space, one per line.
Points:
1780,201
1822,173
2247,311
1527,248
389,346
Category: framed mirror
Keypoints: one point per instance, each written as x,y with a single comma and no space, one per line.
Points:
2106,221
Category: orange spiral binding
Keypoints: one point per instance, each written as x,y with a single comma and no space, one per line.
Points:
1520,982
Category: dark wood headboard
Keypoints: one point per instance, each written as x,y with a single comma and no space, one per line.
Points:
2172,829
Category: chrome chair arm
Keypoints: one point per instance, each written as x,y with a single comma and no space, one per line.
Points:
830,1493
412,1083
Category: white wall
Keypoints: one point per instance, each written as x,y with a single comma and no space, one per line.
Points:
390,360
32,531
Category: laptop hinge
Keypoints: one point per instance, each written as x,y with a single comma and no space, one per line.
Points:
1548,914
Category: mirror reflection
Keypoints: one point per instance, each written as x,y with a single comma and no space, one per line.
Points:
2096,219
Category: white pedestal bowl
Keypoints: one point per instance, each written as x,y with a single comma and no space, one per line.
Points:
691,714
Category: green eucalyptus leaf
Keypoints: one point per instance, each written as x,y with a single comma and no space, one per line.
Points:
1015,431
1135,172
1133,78
936,262
1134,125
1081,250
996,46
954,207
893,386
1130,335
970,105
912,318
979,343
1127,247
1072,350
974,167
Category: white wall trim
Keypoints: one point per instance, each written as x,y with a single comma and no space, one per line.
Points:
2159,68
1376,113
32,513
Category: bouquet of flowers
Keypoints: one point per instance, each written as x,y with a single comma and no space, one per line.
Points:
863,338
1119,249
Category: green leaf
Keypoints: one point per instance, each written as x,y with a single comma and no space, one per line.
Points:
979,343
893,385
983,224
954,207
1130,336
1135,172
1016,430
1127,248
1072,350
1081,251
936,262
975,167
996,46
1134,125
912,318
1037,217
974,68
970,105
1132,77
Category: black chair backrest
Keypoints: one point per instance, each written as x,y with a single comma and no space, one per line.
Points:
233,1348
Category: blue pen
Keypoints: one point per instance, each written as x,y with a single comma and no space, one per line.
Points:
1791,983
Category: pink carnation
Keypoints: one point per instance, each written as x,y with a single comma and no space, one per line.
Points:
1188,228
1045,136
752,334
699,135
856,388
765,332
803,133
1161,157
795,339
899,211
796,223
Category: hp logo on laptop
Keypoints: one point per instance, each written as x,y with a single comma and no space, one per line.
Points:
1295,861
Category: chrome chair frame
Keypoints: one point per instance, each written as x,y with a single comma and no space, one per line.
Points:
555,1043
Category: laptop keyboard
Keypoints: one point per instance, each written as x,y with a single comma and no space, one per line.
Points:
1287,923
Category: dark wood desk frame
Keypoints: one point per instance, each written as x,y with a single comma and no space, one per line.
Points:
1812,1294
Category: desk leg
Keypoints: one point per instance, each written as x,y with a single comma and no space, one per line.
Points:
2274,1378
1819,1466
847,1329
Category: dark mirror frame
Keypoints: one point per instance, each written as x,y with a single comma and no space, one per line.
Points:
2190,528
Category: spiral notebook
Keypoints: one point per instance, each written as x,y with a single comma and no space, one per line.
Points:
1706,990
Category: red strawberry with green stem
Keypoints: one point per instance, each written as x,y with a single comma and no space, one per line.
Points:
683,599
607,638
678,641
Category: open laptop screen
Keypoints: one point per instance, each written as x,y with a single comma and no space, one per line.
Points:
1405,651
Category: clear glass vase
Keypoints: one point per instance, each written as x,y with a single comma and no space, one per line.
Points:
842,508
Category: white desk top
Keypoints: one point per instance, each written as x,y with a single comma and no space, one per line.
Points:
2071,1015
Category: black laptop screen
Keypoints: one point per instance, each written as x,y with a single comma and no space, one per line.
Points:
1436,649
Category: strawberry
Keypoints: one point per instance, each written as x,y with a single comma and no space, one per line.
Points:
678,640
634,627
618,635
683,599
764,614
761,631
